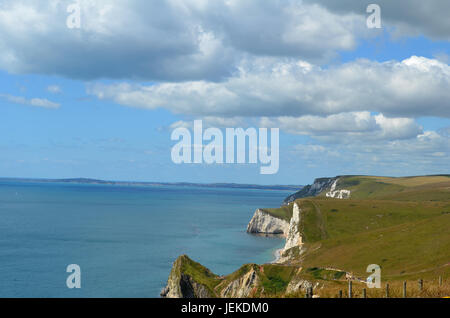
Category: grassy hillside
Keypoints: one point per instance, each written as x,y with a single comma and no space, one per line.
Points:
426,188
401,224
271,280
413,249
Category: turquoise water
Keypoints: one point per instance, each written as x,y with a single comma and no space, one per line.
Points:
124,238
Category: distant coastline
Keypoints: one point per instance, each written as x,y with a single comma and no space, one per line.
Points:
177,184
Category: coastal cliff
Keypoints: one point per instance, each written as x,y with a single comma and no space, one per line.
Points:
294,237
244,285
264,223
251,280
188,279
294,240
312,190
317,230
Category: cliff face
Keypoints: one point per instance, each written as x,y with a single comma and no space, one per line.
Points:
264,223
338,194
242,287
182,284
191,280
294,241
251,280
294,238
312,190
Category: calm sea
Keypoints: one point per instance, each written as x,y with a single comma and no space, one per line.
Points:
124,238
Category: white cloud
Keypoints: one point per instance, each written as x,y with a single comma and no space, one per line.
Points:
166,40
407,17
269,87
346,127
36,102
54,89
282,28
211,121
427,153
192,40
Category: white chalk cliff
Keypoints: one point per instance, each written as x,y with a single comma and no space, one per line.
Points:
293,237
264,223
241,287
337,194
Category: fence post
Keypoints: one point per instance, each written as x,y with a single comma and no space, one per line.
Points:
311,293
350,292
387,290
364,293
340,293
440,281
404,289
420,285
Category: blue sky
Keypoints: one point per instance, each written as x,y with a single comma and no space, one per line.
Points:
101,101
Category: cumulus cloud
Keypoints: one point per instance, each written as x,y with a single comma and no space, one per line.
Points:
347,127
282,28
36,102
408,17
166,40
427,153
117,39
414,87
211,121
54,89
192,40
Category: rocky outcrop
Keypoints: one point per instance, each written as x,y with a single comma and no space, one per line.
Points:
337,194
182,285
312,190
264,223
320,185
243,287
294,237
189,279
294,241
186,288
297,284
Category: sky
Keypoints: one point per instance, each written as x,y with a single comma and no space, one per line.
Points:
101,100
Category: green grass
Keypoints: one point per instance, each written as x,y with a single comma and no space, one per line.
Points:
325,274
198,272
284,212
347,217
401,224
312,222
430,193
275,278
414,249
244,269
410,188
413,181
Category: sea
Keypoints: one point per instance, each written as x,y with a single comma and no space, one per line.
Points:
124,238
